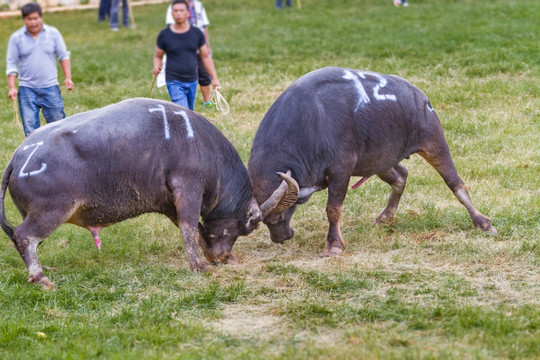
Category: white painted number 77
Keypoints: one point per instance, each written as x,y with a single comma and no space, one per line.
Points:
182,113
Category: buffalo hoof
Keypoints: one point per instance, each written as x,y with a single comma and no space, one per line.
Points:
42,280
490,230
484,223
331,251
46,284
385,219
201,267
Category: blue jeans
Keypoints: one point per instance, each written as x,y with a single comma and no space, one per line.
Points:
115,9
183,93
31,100
279,3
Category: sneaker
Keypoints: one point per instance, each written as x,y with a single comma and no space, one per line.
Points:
209,105
114,29
405,4
397,2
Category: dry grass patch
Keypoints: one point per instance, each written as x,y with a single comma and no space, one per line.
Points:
249,321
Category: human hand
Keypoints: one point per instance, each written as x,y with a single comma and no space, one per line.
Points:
69,83
13,94
156,71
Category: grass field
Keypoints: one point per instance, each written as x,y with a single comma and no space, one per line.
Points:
430,286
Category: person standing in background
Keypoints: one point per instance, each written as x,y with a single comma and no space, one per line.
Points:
279,4
181,42
198,18
104,10
401,2
115,10
35,48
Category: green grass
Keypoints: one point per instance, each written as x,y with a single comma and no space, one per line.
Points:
430,286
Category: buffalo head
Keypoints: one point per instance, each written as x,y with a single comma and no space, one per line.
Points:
279,208
217,236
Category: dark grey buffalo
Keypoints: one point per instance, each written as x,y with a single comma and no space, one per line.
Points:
100,167
335,123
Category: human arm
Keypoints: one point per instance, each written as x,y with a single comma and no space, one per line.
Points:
158,61
209,65
12,64
66,68
63,57
12,89
207,39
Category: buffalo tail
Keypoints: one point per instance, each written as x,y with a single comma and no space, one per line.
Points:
4,223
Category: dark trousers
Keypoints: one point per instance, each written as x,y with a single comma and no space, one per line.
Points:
104,10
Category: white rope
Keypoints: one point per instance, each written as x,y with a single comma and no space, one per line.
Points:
220,102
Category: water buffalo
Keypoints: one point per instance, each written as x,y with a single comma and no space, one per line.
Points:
103,166
334,123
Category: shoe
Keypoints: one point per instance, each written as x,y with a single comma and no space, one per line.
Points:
405,4
209,105
114,29
397,2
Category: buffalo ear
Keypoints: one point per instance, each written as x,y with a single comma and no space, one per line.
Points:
247,228
254,216
256,219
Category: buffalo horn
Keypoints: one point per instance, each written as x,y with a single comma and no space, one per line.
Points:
283,198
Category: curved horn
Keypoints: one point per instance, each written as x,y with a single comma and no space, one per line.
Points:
283,198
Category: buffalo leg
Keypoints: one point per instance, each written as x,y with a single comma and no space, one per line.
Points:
188,208
337,189
396,177
439,157
27,241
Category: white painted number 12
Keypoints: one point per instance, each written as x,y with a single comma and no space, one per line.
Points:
363,98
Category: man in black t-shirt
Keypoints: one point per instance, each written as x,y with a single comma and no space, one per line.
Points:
181,42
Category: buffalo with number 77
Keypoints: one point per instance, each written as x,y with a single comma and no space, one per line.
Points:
103,166
335,123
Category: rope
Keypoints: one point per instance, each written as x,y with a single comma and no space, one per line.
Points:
130,10
220,102
16,111
152,86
